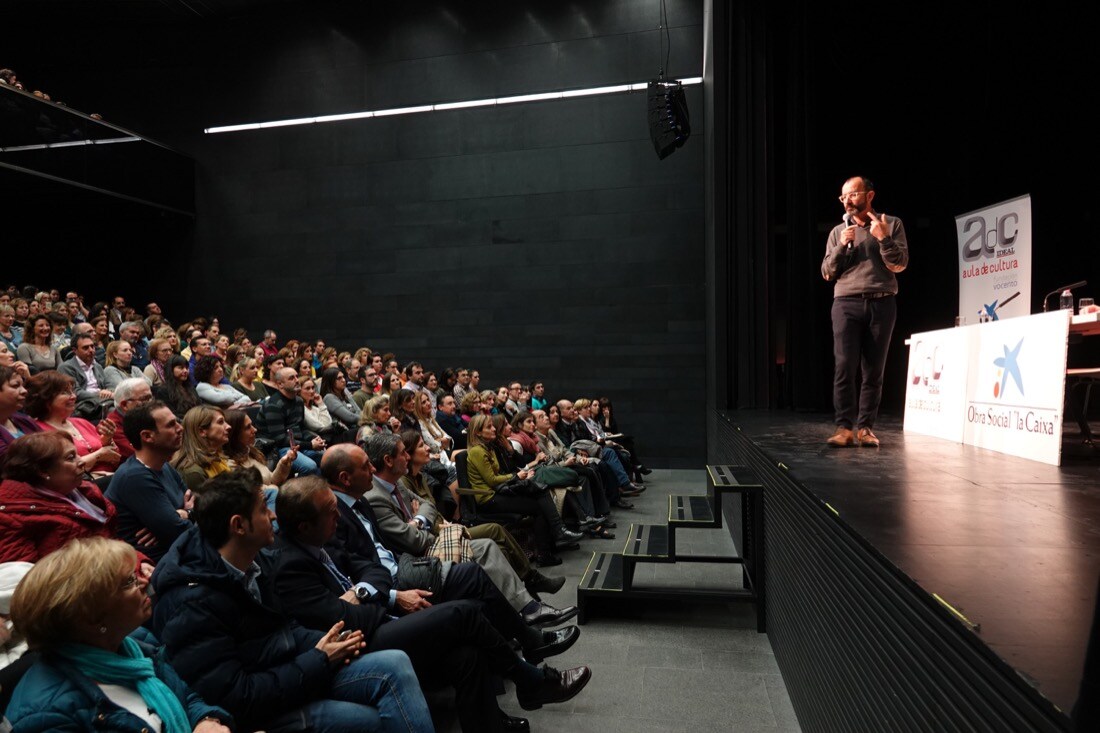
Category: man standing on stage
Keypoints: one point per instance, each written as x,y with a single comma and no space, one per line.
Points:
862,256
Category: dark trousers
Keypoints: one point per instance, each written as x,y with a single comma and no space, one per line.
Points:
547,520
468,581
861,340
600,500
453,643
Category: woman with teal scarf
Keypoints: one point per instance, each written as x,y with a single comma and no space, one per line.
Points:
79,606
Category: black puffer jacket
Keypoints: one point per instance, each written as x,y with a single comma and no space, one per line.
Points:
234,652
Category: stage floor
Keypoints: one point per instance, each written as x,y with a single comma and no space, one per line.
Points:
1013,545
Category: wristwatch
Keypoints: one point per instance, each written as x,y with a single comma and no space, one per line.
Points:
362,593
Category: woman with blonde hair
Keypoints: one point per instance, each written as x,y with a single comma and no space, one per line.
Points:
376,418
246,379
201,455
120,357
78,607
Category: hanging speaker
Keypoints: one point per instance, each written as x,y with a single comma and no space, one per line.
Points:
669,124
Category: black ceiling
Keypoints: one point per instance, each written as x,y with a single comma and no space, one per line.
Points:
68,12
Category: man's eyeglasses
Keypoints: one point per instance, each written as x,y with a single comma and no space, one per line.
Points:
845,196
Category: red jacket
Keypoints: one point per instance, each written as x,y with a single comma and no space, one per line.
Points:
122,443
33,524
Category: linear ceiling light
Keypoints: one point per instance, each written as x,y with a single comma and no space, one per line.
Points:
517,99
70,144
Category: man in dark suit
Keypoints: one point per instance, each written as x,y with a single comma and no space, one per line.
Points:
403,527
447,417
452,641
93,398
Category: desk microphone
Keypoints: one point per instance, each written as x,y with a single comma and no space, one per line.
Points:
1071,286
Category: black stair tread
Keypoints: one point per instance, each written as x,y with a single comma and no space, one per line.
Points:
689,509
726,476
647,540
603,574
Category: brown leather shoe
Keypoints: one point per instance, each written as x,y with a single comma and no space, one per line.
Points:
841,438
867,439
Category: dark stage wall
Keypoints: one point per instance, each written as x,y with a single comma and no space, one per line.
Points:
542,240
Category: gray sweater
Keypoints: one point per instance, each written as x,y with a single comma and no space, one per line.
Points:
865,269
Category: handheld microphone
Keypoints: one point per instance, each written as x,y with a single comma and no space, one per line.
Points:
848,222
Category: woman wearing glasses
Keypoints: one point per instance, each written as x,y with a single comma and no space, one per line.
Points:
79,607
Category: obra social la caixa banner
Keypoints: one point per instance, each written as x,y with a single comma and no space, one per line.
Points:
998,385
995,260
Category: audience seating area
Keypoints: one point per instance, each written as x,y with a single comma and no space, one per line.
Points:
381,486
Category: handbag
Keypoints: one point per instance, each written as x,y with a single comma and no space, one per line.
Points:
420,573
556,477
520,487
452,544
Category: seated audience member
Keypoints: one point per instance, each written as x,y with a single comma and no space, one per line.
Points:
134,332
340,406
211,387
7,358
147,492
102,337
553,414
45,501
585,498
272,364
462,384
402,407
571,429
452,641
367,386
216,616
538,396
268,343
516,401
316,417
13,396
120,366
405,526
50,401
305,368
414,376
94,394
439,442
8,336
415,484
470,406
486,476
488,402
391,384
242,452
37,351
80,329
200,347
246,382
200,456
446,416
282,421
130,393
349,472
61,329
376,418
177,391
221,348
588,414
15,657
79,606
605,490
160,351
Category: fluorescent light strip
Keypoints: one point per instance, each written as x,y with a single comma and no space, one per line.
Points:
69,144
517,99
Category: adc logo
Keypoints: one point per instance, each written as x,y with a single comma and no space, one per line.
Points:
1008,366
982,239
927,364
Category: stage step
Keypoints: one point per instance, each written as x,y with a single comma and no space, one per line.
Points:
731,477
690,511
648,542
604,573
